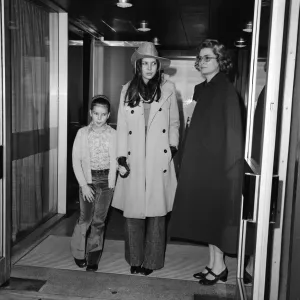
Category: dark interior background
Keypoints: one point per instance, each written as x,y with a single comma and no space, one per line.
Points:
178,24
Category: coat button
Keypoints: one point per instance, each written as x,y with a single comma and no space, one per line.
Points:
132,111
160,109
165,171
130,132
128,152
165,151
164,130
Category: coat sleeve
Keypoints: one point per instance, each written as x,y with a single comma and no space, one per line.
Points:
77,158
234,135
122,127
174,120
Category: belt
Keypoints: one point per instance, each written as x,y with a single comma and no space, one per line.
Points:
100,172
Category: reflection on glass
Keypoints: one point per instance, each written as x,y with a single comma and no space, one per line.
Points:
259,111
34,42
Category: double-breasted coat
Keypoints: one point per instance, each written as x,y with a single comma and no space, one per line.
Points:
149,189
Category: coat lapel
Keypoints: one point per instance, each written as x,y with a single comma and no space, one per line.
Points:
155,106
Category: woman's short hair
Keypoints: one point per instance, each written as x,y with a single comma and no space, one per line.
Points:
223,57
100,100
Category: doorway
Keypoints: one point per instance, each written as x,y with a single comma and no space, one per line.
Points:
268,120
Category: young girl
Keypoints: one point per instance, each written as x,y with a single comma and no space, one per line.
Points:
94,164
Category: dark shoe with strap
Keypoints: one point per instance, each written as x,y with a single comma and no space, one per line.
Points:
201,275
247,278
145,271
135,269
222,276
81,263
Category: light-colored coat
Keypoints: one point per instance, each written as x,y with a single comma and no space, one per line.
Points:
149,189
82,162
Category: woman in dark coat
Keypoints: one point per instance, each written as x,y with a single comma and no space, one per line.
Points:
208,197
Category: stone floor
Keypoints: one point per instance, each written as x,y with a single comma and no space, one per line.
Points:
65,284
54,284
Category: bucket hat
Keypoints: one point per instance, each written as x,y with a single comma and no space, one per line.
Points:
148,49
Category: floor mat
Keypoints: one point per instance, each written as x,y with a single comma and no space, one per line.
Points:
181,261
23,284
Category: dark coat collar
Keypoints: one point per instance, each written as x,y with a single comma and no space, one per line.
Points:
217,78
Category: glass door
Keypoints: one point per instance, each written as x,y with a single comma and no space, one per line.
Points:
4,167
260,193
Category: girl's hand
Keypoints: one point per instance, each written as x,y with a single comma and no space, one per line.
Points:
124,169
87,193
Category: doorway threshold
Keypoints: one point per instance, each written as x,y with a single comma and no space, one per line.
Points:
33,239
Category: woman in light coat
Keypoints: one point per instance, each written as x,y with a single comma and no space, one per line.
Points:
147,139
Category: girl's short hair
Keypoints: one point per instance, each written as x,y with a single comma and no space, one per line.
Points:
100,100
223,57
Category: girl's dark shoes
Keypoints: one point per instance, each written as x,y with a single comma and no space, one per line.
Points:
81,263
222,276
247,278
145,271
201,275
135,269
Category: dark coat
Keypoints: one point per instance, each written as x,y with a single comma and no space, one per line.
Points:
208,197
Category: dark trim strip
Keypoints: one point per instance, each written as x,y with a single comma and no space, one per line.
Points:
28,143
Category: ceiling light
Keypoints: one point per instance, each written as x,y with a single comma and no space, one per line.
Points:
132,44
144,26
156,41
248,27
124,3
75,42
240,43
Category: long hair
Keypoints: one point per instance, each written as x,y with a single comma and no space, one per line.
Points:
137,88
223,57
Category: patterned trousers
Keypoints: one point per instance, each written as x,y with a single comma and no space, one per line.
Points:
145,242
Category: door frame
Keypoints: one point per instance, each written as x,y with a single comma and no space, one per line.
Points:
265,174
287,94
5,200
61,93
268,145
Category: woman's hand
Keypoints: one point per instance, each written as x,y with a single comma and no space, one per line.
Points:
88,193
173,151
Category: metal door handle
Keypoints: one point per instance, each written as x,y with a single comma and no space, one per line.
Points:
250,196
275,199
